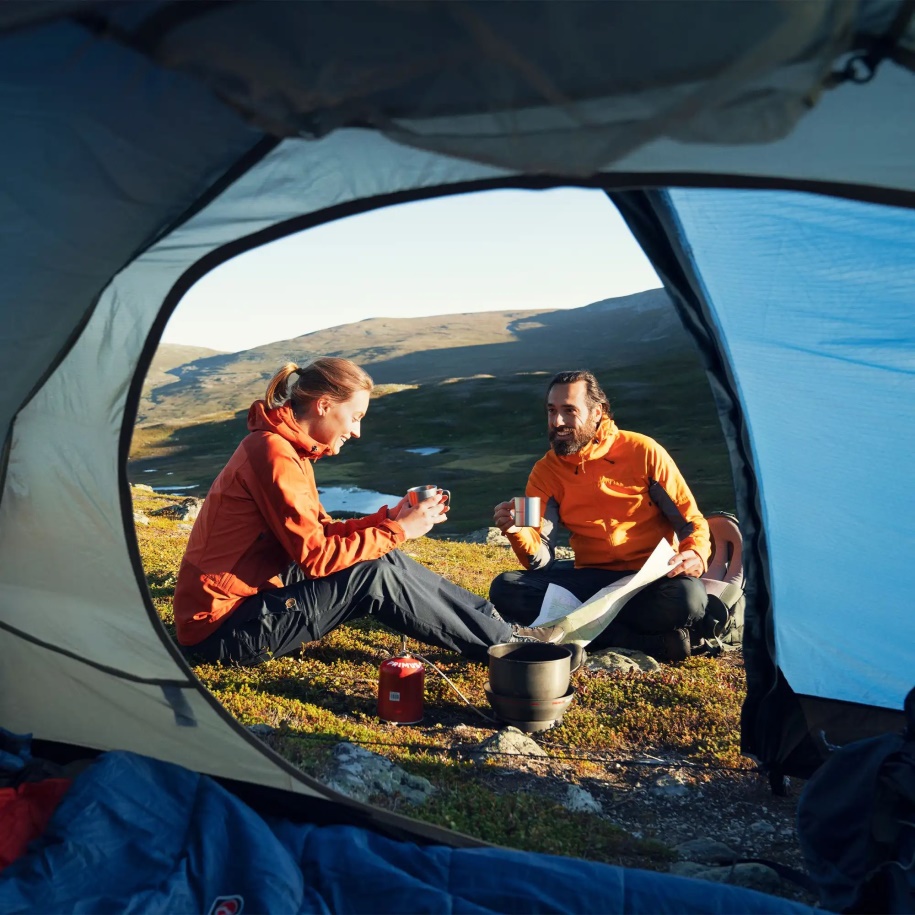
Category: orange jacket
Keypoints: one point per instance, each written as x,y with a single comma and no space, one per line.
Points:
262,514
606,498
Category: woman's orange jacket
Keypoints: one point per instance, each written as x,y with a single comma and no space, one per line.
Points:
606,498
261,514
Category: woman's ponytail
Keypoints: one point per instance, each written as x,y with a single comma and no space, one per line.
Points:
279,390
331,377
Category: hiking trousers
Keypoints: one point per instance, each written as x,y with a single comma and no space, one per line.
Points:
395,590
662,606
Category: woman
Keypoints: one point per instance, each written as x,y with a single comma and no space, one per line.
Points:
266,569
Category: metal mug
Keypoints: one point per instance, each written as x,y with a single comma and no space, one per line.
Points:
417,494
527,511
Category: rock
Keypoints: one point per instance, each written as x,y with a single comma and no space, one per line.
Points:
751,876
761,828
140,518
261,730
508,741
707,851
185,510
359,774
612,660
492,536
669,786
624,659
576,800
686,868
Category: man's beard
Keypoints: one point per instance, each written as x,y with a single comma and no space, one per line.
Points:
575,442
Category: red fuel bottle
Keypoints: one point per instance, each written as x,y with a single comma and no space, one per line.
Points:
400,690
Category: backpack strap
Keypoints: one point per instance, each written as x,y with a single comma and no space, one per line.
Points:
682,527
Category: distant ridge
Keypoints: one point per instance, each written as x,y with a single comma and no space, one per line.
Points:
171,355
620,331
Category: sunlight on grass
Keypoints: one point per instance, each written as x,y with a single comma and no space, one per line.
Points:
328,693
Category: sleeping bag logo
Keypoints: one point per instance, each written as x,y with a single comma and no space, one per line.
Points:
227,905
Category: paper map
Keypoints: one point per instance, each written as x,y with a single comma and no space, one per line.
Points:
583,622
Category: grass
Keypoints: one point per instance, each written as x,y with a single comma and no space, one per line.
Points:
328,694
490,430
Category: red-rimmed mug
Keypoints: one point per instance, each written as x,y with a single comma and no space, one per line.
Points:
417,494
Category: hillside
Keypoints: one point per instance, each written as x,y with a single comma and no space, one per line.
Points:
168,357
621,332
469,389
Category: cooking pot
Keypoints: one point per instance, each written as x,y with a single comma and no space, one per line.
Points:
530,670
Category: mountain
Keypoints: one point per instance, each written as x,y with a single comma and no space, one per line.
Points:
462,405
620,331
169,356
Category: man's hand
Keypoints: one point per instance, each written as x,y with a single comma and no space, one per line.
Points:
686,563
418,520
504,517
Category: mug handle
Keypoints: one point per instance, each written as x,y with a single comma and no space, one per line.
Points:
447,493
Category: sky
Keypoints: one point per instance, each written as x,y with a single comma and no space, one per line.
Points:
489,251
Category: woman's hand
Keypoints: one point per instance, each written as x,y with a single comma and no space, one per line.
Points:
395,511
418,520
686,563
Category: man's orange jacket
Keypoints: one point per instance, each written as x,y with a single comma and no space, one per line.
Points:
619,496
261,515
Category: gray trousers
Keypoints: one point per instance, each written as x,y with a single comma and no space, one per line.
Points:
395,590
664,605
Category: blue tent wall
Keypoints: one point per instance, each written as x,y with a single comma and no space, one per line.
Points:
812,298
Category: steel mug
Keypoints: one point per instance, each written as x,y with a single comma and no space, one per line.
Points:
417,494
527,511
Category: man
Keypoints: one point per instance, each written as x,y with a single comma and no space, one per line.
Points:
618,493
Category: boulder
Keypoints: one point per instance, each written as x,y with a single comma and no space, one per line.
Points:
509,741
359,774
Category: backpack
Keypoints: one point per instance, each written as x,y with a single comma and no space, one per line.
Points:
724,579
856,823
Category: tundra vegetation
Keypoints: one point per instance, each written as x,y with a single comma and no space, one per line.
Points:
328,693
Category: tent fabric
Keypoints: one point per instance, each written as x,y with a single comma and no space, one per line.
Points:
510,85
102,151
823,347
162,857
136,164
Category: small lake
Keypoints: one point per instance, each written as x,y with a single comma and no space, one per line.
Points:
353,499
175,488
423,450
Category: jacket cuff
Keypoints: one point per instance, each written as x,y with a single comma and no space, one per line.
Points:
394,528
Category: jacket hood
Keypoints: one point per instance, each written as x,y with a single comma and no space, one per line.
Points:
598,447
281,420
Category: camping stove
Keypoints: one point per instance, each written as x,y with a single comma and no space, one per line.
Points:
400,689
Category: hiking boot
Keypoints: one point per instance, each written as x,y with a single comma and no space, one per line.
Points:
550,634
675,646
670,647
715,622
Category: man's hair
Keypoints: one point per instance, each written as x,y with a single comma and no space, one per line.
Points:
594,393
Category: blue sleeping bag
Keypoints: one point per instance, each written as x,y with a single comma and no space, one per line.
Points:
137,835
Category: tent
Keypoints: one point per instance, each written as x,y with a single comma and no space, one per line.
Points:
761,153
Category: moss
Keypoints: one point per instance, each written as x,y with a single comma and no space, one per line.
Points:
328,691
